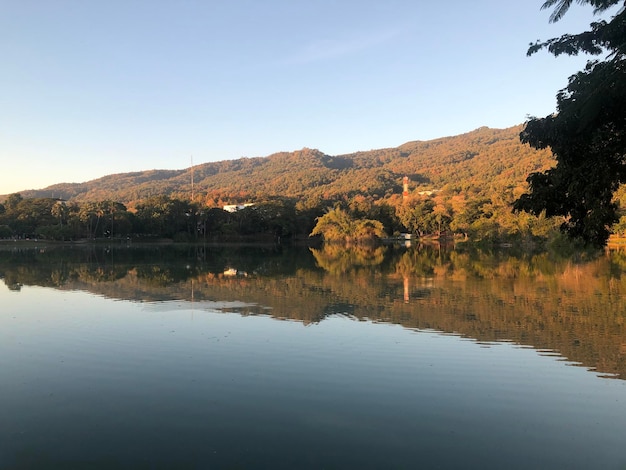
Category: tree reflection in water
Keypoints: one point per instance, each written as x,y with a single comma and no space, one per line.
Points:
572,305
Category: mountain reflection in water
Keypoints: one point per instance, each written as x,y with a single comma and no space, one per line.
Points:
572,307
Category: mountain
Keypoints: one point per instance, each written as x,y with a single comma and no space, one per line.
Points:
473,162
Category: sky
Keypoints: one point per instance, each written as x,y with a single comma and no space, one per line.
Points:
91,88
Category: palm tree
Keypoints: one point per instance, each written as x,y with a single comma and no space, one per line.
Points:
563,5
60,211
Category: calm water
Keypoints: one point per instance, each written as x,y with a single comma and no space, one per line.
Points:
290,358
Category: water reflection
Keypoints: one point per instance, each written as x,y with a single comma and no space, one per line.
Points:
462,362
337,259
570,306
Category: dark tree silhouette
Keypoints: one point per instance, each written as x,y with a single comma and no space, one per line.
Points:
587,135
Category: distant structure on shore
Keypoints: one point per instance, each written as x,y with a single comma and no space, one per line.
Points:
428,192
236,207
405,189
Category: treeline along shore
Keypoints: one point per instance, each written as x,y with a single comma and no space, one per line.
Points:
462,186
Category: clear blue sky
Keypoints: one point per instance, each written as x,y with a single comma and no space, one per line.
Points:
89,88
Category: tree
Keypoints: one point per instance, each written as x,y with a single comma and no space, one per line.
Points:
417,216
442,217
338,226
60,211
587,135
89,214
335,225
13,201
167,217
474,217
563,5
277,216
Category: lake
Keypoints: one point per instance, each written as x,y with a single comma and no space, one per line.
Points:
276,357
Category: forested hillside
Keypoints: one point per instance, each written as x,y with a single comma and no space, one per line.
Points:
461,186
479,162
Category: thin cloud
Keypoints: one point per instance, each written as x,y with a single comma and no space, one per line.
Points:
330,49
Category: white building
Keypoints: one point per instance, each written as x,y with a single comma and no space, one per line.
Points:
236,207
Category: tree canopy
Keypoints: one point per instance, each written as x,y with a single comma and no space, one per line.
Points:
336,225
587,134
